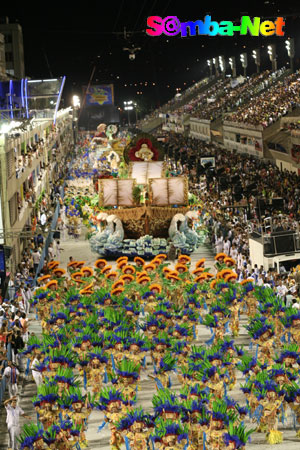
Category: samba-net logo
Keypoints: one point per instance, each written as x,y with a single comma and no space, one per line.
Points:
171,26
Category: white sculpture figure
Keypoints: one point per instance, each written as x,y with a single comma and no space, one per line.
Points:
101,221
175,233
99,239
115,239
114,159
190,234
144,153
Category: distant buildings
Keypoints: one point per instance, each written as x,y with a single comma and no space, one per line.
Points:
13,62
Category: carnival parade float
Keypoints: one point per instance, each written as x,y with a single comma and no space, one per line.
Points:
143,209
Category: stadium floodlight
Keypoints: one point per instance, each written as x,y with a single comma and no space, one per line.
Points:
272,56
244,60
216,64
232,63
222,64
290,47
210,65
256,56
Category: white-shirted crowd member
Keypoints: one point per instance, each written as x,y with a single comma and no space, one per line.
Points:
233,252
57,249
13,413
296,304
37,376
260,280
293,287
11,375
219,244
281,289
11,288
256,270
240,261
51,251
21,304
289,299
266,283
226,246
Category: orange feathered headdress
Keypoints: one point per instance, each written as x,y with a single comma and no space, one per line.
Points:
184,259
88,270
198,271
223,273
220,256
59,272
128,269
53,264
172,277
142,279
127,276
161,256
111,274
72,263
122,258
100,263
106,269
231,276
155,286
118,283
43,278
149,266
182,267
117,291
138,259
51,283
200,263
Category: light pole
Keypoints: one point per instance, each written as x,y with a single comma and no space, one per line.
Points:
128,107
136,112
76,106
244,60
256,56
232,63
290,46
209,63
222,65
216,64
272,56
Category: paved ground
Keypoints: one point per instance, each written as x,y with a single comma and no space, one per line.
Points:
80,250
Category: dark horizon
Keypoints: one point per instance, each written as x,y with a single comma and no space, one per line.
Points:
58,43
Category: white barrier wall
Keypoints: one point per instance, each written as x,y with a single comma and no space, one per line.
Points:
243,139
200,129
256,252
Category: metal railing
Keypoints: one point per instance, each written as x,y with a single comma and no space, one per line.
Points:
278,243
49,238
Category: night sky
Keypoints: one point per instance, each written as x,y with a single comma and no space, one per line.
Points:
72,41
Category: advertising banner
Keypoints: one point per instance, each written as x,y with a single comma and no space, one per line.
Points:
100,95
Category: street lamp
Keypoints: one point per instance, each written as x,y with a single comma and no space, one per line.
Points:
222,65
272,56
128,107
76,101
76,106
232,63
216,64
244,60
209,63
256,56
290,47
